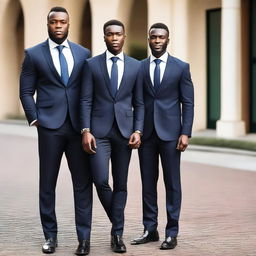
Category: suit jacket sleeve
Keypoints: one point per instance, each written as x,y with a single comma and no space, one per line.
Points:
138,102
187,101
86,97
28,80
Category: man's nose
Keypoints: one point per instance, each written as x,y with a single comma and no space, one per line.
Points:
157,40
58,25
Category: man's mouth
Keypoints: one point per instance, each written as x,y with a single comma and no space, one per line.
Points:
157,48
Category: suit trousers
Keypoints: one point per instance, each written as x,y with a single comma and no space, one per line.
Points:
149,153
52,145
113,147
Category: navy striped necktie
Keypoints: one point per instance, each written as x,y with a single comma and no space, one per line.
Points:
63,65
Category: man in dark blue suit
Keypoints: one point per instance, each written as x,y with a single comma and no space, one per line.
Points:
169,110
112,116
53,70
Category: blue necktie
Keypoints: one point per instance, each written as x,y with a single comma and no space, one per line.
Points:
114,76
157,74
63,65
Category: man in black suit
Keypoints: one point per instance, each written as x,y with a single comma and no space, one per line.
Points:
112,113
169,110
53,69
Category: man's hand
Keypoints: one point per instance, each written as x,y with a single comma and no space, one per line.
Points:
89,143
135,141
182,143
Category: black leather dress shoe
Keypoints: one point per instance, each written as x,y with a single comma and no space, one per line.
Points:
169,243
83,247
117,244
50,245
146,238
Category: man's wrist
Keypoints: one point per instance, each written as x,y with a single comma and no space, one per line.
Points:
85,130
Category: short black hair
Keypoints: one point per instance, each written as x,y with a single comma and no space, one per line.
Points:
160,25
57,9
112,22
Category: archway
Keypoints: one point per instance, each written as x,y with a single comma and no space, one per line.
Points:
13,56
86,26
137,29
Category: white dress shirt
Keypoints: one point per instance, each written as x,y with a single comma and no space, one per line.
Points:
162,65
66,52
120,65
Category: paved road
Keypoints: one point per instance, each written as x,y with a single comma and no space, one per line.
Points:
218,216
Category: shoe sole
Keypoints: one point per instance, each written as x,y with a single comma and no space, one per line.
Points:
137,243
169,248
118,251
47,252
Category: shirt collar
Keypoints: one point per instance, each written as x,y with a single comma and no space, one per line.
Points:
54,45
163,58
110,55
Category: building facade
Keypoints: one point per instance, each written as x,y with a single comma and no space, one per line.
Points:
217,38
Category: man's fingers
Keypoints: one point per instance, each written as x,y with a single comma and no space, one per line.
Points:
178,144
132,140
182,147
91,148
94,143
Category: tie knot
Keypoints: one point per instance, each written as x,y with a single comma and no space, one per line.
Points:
114,59
157,61
60,47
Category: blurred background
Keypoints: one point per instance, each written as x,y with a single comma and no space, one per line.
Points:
217,38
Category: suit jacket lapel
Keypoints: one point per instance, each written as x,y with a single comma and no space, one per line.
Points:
104,70
122,84
75,55
167,73
48,57
147,75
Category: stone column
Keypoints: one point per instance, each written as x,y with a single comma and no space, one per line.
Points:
230,124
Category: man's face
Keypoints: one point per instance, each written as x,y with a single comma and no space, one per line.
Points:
58,25
114,38
158,41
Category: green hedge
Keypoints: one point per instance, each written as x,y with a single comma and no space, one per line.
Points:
226,143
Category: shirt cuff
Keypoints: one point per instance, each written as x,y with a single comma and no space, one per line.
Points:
32,123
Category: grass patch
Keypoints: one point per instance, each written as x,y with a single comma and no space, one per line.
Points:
225,143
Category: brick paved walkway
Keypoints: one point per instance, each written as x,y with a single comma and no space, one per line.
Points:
218,216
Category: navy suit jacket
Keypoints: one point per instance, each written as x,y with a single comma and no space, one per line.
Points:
170,109
53,99
99,108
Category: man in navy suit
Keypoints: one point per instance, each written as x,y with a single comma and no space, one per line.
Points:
112,115
53,69
169,110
